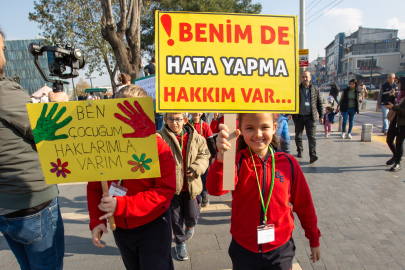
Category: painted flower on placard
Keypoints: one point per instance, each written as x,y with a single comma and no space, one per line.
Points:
140,164
59,168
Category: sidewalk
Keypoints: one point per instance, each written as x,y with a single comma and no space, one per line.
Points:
359,203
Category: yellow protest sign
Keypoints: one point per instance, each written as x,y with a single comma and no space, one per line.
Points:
226,62
95,140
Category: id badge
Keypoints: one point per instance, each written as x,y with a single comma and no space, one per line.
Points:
116,190
265,234
307,104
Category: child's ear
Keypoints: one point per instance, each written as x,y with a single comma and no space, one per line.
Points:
185,120
165,119
274,127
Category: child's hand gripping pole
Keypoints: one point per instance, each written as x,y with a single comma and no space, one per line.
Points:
106,193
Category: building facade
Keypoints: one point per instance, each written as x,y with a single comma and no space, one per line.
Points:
334,52
21,63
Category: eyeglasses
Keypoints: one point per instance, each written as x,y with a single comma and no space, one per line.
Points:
177,120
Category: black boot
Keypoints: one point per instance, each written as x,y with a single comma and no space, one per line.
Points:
395,168
299,155
391,161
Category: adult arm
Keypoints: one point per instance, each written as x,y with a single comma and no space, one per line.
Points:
13,109
319,105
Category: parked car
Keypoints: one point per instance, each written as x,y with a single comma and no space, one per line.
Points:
325,87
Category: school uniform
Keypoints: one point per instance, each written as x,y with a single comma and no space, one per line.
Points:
142,216
290,187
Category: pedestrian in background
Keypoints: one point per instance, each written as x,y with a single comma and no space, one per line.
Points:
310,111
363,91
334,91
386,88
349,105
283,134
150,69
396,129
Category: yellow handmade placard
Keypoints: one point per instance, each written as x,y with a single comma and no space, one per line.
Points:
226,63
95,140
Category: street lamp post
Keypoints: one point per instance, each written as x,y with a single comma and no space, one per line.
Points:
91,82
302,30
372,64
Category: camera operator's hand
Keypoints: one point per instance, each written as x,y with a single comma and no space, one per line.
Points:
58,96
139,121
47,127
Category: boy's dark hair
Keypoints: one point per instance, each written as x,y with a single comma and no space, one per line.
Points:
241,141
402,82
153,59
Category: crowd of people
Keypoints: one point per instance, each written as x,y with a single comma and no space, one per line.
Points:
191,155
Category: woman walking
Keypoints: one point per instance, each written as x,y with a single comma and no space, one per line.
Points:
397,125
349,105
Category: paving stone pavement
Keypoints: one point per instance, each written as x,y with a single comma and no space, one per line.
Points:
359,203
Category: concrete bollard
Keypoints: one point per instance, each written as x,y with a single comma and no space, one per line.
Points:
366,132
364,105
340,123
376,108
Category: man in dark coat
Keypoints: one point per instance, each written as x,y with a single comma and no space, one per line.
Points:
310,111
150,69
334,91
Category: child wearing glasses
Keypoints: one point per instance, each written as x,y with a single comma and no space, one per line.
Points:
192,158
268,187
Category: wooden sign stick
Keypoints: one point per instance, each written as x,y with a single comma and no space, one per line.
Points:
229,156
106,193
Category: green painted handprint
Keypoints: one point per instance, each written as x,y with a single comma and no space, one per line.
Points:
47,126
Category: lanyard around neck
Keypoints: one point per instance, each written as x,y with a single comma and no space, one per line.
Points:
181,147
258,183
192,122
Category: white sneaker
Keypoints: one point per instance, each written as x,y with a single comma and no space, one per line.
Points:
343,136
349,136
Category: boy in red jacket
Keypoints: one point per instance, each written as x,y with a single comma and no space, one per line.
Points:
142,216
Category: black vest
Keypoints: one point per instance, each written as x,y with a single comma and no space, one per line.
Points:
345,101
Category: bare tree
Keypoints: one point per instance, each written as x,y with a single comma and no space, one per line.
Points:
127,51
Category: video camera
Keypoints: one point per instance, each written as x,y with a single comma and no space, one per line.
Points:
59,57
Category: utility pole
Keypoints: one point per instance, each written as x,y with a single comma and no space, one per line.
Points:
372,65
302,30
91,82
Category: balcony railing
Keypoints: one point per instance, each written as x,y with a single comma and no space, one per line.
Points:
372,51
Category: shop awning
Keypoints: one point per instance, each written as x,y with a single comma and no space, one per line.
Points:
375,75
400,74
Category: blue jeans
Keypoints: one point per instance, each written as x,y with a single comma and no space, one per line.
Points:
37,240
159,122
385,120
350,113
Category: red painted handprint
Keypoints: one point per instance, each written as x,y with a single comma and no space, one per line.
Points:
139,121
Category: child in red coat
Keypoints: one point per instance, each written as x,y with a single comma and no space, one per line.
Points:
266,183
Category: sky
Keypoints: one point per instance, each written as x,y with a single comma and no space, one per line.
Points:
324,21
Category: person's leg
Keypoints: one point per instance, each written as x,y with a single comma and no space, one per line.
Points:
16,247
352,113
384,118
204,182
344,123
299,129
390,143
127,246
310,128
280,258
399,147
330,127
154,245
190,209
243,259
176,210
42,235
326,129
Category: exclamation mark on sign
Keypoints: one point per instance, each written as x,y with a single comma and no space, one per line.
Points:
166,21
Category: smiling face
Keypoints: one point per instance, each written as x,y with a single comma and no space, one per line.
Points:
258,130
196,117
175,122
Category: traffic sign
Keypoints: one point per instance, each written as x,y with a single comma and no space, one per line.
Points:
303,54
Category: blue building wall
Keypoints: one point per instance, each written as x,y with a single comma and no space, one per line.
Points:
21,63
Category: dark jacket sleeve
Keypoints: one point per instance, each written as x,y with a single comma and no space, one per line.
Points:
319,105
13,108
211,146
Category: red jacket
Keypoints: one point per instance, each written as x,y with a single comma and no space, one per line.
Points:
146,199
290,186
